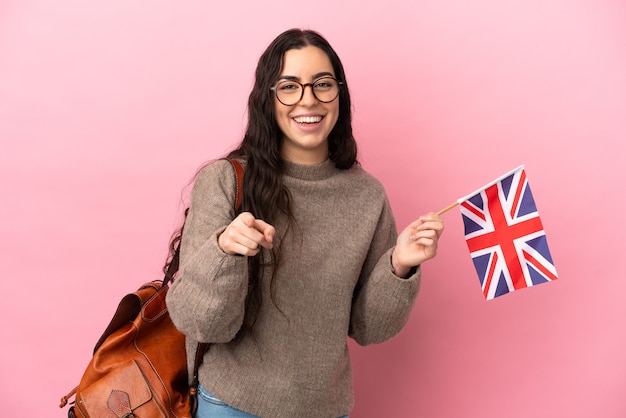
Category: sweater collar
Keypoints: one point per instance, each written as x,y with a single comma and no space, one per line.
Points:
310,172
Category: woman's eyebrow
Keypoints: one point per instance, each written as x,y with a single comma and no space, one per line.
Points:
315,76
322,74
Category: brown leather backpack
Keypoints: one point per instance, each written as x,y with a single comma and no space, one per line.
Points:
139,365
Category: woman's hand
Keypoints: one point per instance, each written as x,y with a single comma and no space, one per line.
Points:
417,243
245,235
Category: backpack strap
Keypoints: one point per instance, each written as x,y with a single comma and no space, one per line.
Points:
201,349
239,184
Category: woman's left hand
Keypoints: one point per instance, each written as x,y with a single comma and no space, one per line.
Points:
417,243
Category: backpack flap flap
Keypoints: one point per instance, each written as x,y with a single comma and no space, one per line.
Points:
117,395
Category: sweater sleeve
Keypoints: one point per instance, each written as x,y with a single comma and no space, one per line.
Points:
382,301
206,301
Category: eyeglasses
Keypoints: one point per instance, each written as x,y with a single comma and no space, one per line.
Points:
290,92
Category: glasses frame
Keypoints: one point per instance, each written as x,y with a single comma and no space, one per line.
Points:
304,86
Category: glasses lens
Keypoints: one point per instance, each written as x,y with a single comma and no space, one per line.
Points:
289,92
326,89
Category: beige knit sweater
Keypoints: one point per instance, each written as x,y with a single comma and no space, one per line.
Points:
335,281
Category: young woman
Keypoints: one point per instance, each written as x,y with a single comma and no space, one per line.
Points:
312,258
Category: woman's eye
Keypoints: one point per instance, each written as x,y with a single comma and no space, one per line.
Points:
324,84
289,86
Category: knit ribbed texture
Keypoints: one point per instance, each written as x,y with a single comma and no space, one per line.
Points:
335,280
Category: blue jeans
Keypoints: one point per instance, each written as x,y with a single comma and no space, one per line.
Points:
209,406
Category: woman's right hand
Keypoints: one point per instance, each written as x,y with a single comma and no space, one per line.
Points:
245,235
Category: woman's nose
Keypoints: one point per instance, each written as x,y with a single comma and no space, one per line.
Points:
308,96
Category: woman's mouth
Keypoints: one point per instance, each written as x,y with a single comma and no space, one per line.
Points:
308,120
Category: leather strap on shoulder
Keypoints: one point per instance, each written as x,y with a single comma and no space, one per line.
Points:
239,183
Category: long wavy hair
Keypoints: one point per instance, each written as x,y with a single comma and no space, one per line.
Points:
264,193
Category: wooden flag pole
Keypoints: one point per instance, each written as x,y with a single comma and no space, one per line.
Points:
447,208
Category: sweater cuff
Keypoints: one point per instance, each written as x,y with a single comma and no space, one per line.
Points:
412,271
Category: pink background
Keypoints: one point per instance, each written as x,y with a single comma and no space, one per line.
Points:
107,109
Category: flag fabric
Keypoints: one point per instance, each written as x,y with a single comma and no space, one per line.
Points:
505,236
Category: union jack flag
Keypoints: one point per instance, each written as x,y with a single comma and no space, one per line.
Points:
505,236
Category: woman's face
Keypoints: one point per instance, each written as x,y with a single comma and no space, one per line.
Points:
307,124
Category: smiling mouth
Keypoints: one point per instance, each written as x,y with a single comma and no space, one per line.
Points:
308,120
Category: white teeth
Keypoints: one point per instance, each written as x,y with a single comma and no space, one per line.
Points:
308,119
